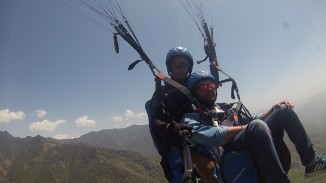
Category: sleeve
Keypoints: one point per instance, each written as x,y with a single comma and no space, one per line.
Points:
158,111
210,136
157,126
259,116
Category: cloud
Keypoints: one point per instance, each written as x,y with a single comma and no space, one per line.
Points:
6,115
129,114
45,125
142,116
62,136
135,117
130,118
117,118
84,121
40,113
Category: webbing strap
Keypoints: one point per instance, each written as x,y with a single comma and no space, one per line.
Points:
178,86
234,110
239,105
238,108
194,102
158,87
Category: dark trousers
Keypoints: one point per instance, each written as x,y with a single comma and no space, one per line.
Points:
257,139
285,119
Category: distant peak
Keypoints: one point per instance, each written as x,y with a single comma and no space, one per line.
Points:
5,133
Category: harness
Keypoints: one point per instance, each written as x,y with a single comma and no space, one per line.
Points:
234,114
109,10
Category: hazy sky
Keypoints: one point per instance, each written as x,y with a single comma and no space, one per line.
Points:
60,76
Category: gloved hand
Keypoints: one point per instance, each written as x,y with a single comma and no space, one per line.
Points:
176,131
178,127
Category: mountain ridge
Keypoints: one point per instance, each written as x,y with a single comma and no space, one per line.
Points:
133,138
37,159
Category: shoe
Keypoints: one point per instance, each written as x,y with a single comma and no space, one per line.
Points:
319,166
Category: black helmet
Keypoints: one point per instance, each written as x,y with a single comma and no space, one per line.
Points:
178,51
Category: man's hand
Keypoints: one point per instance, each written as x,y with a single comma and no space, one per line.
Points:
279,105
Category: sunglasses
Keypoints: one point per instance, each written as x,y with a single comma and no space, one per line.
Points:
204,87
184,66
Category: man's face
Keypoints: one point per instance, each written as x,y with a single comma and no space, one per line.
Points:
206,92
179,68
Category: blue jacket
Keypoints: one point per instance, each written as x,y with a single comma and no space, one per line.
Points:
210,136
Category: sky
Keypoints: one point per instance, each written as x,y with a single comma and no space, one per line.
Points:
60,76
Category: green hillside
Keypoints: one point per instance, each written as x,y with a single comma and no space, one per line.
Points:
38,160
296,175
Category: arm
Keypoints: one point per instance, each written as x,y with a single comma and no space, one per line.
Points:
232,132
164,131
210,135
156,125
159,118
266,114
275,107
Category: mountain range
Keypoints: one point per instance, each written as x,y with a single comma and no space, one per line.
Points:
312,113
119,155
44,160
133,138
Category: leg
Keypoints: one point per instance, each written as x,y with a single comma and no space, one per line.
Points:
286,119
176,164
282,151
257,139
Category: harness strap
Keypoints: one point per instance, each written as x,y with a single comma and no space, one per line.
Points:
184,90
178,86
239,105
158,88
